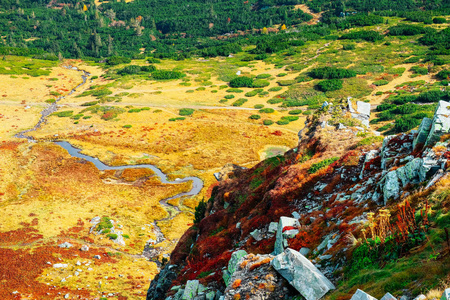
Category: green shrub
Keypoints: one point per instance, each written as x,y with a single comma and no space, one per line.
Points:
295,112
258,106
380,82
90,103
367,35
64,114
127,126
307,112
348,47
267,122
223,100
444,74
282,122
260,83
290,118
263,76
242,81
330,85
134,110
112,236
405,123
275,100
303,78
126,236
152,60
214,91
129,70
200,88
439,20
186,111
234,90
190,91
200,212
165,75
286,82
255,117
412,60
267,110
239,102
331,73
251,94
275,89
116,60
281,74
322,164
50,101
87,117
229,96
177,119
419,70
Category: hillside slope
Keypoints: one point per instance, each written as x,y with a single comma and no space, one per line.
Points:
368,217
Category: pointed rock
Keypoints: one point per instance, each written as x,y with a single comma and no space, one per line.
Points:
388,296
446,295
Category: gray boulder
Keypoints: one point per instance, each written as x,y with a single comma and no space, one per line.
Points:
423,132
361,295
391,188
161,283
302,274
409,173
440,124
421,297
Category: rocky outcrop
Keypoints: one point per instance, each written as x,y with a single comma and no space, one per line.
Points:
302,274
255,278
161,283
430,131
287,227
232,264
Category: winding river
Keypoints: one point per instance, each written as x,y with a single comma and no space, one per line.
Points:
197,183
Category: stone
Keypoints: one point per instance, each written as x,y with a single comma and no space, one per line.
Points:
421,297
363,108
302,274
95,220
341,126
190,291
256,234
97,257
423,132
361,295
388,296
161,283
350,107
409,173
284,222
62,266
65,245
446,295
273,226
440,124
296,214
229,171
391,188
84,248
304,251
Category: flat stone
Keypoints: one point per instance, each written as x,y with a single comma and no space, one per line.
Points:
84,248
256,234
97,256
388,296
60,266
302,274
273,226
361,295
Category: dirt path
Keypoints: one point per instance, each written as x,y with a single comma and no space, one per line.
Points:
305,9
